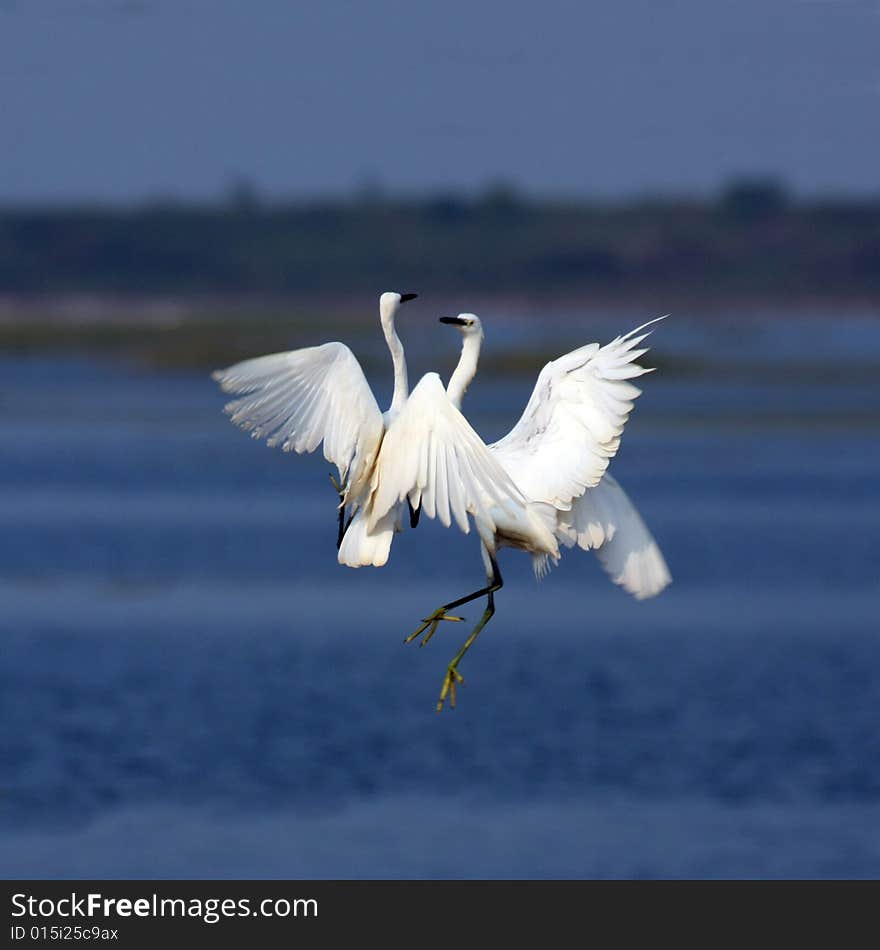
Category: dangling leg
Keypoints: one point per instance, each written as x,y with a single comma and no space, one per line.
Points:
453,677
440,613
414,514
342,524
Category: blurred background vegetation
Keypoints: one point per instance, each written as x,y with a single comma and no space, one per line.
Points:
112,275
754,239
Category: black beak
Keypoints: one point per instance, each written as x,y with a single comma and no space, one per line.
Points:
405,297
455,321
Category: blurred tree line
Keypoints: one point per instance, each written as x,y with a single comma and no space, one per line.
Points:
752,238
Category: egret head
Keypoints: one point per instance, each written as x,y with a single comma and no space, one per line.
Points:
468,323
390,302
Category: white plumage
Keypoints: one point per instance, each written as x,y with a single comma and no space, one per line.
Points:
432,457
571,426
432,460
302,398
604,520
559,450
305,397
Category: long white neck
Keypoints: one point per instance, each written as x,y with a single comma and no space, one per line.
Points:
401,381
466,369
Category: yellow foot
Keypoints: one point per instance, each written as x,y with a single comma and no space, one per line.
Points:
339,489
453,679
433,622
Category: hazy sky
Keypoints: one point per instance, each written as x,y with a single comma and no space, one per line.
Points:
125,99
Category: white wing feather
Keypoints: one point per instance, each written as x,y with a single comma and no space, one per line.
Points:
604,519
304,397
431,456
571,426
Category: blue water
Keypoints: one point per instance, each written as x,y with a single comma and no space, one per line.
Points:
190,685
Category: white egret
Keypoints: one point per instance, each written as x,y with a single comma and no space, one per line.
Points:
558,453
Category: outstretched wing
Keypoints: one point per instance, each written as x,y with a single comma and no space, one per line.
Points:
301,398
605,520
572,424
431,456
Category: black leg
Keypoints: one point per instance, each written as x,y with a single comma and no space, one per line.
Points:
453,678
414,514
432,622
494,584
342,527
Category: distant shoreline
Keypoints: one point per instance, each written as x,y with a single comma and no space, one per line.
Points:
197,331
88,311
